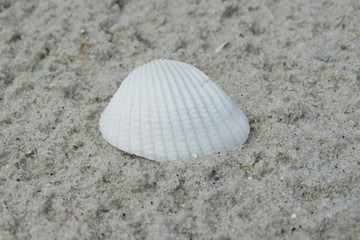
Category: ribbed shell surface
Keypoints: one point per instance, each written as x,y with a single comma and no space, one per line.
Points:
166,110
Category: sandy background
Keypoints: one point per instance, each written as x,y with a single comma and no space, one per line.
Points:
293,66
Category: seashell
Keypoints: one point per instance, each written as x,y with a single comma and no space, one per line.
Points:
167,110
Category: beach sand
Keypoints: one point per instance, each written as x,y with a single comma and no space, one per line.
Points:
292,66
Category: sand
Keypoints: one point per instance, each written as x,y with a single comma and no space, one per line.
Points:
292,66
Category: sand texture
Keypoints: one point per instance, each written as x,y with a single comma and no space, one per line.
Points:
292,66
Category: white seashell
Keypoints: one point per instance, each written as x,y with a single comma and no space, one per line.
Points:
167,110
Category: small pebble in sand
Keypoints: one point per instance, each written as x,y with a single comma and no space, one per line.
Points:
223,45
325,57
293,216
31,152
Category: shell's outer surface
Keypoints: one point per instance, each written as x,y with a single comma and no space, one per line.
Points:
167,110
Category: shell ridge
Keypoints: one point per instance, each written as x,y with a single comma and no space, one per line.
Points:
134,82
123,133
237,126
112,121
121,112
147,99
226,103
121,99
141,113
205,98
223,96
162,75
133,114
104,119
182,100
172,83
152,86
235,110
156,105
124,130
245,128
175,68
178,69
191,83
218,95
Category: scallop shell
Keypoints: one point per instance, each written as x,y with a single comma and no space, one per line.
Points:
167,110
